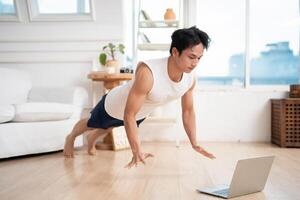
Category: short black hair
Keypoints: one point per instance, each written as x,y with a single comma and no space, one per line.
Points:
188,37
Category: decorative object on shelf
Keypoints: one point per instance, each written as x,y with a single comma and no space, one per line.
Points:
169,14
295,91
145,15
144,37
110,50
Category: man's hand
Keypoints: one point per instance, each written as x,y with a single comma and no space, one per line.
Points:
138,157
203,152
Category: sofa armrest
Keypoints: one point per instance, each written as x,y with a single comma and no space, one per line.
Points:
69,95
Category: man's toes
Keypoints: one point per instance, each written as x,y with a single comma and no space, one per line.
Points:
69,156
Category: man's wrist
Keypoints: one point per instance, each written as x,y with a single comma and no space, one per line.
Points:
135,151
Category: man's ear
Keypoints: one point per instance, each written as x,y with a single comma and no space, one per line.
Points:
175,52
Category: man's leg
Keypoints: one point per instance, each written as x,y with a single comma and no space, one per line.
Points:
92,138
79,128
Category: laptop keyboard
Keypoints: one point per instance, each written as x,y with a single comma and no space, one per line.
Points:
223,192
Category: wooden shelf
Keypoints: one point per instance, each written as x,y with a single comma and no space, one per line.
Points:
159,24
154,47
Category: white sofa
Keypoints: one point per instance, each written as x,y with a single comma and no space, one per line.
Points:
35,120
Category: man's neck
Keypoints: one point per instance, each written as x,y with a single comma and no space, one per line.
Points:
173,72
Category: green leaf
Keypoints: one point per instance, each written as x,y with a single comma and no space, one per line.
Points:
111,46
102,58
121,48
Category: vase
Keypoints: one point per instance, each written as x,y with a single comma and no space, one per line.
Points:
169,14
109,70
112,63
111,66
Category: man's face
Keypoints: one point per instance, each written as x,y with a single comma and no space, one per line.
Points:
189,58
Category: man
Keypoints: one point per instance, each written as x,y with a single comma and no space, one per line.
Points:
156,82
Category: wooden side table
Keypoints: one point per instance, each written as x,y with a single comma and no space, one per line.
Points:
116,139
110,80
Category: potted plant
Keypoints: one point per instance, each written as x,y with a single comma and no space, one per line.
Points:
108,56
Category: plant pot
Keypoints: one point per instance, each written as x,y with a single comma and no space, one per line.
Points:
110,70
112,63
111,66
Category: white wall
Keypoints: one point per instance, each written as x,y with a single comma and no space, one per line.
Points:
237,115
60,53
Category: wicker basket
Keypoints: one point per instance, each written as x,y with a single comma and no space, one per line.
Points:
295,91
285,120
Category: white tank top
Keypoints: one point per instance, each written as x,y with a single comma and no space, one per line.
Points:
163,91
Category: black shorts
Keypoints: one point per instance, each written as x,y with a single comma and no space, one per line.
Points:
101,119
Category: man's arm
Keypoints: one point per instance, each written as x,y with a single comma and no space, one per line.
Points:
188,115
141,87
189,121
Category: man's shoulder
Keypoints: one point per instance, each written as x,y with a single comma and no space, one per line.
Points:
143,73
143,80
155,61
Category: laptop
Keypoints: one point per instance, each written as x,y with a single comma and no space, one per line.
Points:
250,176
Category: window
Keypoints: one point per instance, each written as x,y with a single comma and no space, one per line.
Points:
272,42
8,10
60,10
224,22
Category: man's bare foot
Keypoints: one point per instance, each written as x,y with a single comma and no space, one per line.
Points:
91,140
69,147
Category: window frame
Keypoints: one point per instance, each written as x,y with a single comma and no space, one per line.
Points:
12,18
34,14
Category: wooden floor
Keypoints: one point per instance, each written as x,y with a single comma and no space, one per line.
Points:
174,173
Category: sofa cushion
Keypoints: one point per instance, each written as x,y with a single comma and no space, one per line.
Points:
7,113
42,111
14,86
